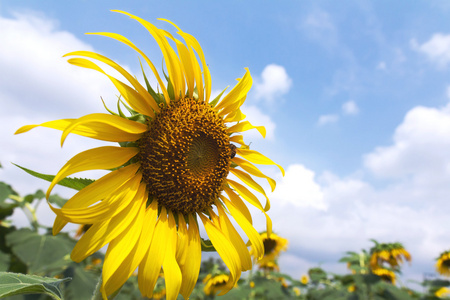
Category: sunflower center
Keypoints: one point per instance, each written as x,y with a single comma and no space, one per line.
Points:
269,245
185,156
446,263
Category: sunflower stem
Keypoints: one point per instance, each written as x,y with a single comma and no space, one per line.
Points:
97,295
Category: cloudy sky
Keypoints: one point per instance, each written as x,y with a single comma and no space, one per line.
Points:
355,97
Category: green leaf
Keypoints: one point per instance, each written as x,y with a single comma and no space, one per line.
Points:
4,261
73,183
83,282
41,253
7,207
16,284
58,200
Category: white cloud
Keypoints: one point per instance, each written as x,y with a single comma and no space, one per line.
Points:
411,208
327,119
299,188
421,147
350,108
437,48
38,85
258,118
274,83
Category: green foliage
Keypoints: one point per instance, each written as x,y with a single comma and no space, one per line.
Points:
73,183
34,251
42,254
17,284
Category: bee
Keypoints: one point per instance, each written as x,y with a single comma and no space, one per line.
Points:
232,150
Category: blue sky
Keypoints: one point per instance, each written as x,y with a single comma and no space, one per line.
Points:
355,96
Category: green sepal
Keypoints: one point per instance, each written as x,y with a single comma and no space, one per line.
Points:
18,284
119,109
213,103
70,182
170,90
110,111
207,245
156,96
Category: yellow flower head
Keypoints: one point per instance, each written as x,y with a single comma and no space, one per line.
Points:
216,283
304,279
442,292
390,253
270,265
297,291
273,245
385,274
443,263
169,174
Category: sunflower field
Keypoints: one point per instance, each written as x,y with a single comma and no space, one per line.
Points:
35,265
181,176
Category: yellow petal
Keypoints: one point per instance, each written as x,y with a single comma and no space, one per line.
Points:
250,231
133,98
98,190
237,139
131,262
231,110
226,251
240,90
102,158
252,199
191,268
102,232
150,265
170,57
142,91
235,116
182,242
247,179
250,168
257,158
244,126
127,42
120,248
229,230
112,131
245,193
237,201
172,272
109,124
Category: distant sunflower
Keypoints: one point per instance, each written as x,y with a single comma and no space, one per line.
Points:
392,253
304,279
443,263
442,292
176,151
213,284
385,274
273,245
269,265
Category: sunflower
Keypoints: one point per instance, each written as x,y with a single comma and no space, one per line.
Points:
443,263
273,245
213,284
304,279
442,292
391,253
170,169
269,265
385,274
